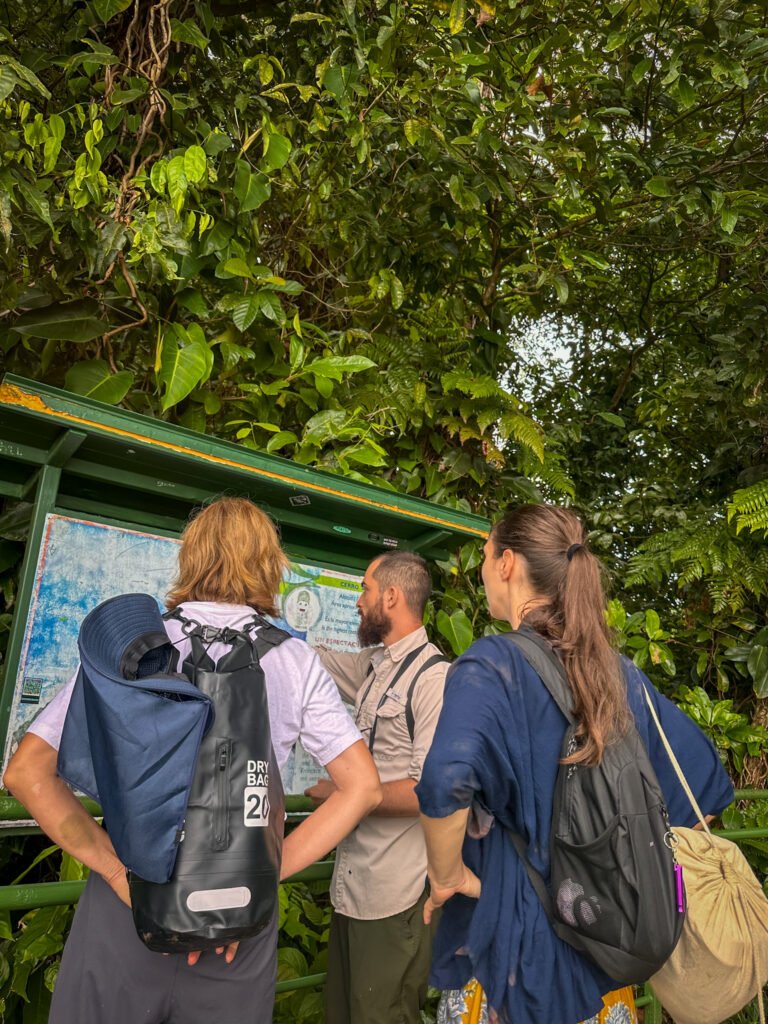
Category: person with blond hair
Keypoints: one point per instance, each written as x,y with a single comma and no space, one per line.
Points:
230,566
491,773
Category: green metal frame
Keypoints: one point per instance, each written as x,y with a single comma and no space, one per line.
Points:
75,456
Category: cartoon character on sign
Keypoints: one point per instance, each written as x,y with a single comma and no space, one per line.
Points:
301,609
303,599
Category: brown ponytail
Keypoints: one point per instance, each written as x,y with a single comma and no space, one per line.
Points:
570,613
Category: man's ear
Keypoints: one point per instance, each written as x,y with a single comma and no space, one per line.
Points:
391,596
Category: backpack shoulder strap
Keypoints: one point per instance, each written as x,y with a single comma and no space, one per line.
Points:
547,666
405,664
267,636
535,878
436,659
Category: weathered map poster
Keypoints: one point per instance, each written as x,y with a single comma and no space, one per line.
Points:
82,564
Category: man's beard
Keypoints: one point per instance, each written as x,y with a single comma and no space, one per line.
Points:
374,626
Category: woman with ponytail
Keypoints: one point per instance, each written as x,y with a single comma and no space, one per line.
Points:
492,770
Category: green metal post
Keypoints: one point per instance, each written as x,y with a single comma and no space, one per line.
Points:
45,501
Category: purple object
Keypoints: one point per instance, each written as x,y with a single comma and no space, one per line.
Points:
679,888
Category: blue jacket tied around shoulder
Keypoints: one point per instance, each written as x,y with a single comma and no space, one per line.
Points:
133,731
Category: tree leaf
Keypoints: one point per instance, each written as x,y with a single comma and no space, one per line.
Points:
456,628
278,152
182,366
757,663
251,190
272,307
336,366
728,220
235,267
457,16
177,182
8,82
65,321
652,623
107,9
324,426
561,287
611,417
188,32
280,440
94,379
245,312
659,186
365,455
37,202
195,164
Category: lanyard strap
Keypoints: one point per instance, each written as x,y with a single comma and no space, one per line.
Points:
408,660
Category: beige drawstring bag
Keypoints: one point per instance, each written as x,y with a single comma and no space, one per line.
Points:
721,960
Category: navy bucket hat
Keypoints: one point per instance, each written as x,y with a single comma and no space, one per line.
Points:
133,731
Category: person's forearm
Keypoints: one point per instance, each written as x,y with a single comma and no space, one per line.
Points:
445,839
398,800
325,828
63,818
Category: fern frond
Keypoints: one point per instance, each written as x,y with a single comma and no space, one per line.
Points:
749,507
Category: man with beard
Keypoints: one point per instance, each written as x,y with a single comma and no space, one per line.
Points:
379,948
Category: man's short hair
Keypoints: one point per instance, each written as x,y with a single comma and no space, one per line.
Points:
409,572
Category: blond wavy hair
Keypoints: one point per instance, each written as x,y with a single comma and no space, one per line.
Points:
230,553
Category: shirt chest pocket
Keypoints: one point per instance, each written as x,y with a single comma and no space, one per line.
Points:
392,739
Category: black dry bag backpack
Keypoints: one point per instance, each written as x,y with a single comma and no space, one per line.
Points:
615,890
225,878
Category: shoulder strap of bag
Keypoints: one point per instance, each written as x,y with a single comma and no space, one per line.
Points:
406,663
410,721
675,763
547,666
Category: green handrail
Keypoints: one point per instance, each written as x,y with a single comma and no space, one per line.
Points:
57,894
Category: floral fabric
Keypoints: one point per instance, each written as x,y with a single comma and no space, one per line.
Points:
468,1005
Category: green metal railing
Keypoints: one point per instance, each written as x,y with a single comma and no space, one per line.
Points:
48,894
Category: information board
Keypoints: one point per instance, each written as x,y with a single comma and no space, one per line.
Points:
83,563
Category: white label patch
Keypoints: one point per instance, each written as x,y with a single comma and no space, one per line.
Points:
256,795
218,899
256,809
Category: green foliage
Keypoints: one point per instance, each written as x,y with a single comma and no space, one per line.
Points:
729,730
248,229
30,946
750,507
305,916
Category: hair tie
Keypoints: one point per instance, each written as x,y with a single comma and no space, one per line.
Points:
572,550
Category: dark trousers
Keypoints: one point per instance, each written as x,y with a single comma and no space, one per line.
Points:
108,976
377,970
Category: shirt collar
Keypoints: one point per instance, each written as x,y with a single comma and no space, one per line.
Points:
406,644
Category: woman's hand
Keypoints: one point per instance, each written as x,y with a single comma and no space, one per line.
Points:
468,885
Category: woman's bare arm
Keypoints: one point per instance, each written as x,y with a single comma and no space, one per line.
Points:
448,874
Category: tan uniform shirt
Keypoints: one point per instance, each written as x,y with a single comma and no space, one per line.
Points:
381,866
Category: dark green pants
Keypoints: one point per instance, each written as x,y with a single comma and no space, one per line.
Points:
377,970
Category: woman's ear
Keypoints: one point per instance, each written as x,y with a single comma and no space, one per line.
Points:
507,563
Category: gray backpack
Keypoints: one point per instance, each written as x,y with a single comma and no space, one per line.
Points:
615,890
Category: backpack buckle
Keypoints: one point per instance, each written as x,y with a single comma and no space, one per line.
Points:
210,633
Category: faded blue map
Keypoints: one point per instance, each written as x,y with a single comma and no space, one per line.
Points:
82,564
